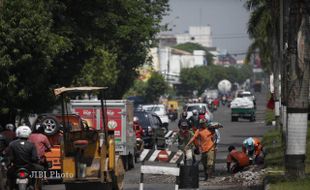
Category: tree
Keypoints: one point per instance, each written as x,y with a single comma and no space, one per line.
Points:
297,87
190,47
65,43
156,86
27,50
125,27
202,77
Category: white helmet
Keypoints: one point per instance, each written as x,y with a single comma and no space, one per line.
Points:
23,131
135,119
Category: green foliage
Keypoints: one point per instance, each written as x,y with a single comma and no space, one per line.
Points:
203,77
151,90
261,26
100,70
138,89
190,47
27,50
44,44
299,184
273,145
156,86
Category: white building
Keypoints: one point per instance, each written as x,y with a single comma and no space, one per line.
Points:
170,61
197,34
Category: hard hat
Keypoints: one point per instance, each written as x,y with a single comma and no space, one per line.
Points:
249,143
23,131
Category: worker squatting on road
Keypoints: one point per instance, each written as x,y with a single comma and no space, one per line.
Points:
236,160
254,149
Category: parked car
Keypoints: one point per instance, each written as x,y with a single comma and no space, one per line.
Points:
159,109
198,107
153,129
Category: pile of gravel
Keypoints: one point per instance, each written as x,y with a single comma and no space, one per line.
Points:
252,177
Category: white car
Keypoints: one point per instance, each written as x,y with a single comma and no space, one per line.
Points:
198,107
159,109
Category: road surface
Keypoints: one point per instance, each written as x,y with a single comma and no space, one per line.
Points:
233,133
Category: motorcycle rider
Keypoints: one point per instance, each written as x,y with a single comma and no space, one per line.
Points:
22,154
183,136
41,142
139,133
183,119
3,143
194,120
9,132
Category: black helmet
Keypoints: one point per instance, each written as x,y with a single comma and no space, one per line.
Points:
231,147
184,114
184,124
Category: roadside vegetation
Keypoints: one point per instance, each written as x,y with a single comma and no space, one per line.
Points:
274,162
48,44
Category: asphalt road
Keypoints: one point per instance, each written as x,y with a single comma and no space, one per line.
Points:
233,133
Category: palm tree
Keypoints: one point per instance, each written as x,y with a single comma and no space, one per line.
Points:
263,29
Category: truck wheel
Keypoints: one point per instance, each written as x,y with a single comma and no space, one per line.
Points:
131,163
125,162
118,182
252,119
234,118
51,125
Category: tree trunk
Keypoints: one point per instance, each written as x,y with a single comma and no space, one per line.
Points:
276,60
298,90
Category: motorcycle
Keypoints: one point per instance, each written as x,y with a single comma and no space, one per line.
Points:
139,148
23,180
173,115
3,172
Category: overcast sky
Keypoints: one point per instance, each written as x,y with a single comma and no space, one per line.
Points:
227,18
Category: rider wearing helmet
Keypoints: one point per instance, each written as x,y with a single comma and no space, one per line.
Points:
41,142
183,136
183,120
137,127
9,132
22,153
21,150
253,148
194,120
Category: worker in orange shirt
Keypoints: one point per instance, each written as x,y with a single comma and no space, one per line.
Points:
238,158
206,143
254,149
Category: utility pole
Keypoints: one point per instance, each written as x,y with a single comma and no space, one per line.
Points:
297,89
